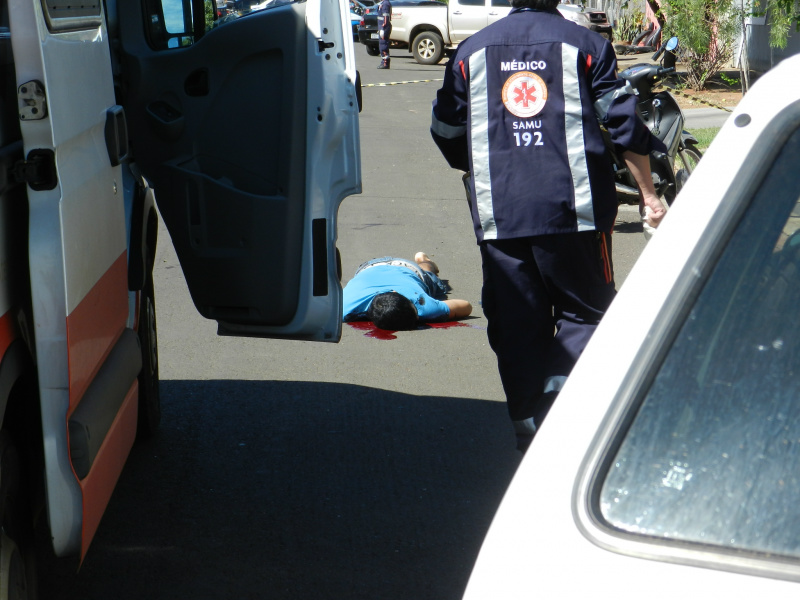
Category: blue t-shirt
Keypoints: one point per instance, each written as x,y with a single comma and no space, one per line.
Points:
359,292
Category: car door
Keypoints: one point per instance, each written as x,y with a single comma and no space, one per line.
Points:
498,9
247,129
466,17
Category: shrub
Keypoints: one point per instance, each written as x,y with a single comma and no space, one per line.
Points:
707,30
628,25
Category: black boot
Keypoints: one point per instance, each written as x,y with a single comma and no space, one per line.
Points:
384,64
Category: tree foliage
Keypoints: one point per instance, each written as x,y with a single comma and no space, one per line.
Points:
707,31
782,15
209,6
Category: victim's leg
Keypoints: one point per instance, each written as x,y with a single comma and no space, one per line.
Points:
425,263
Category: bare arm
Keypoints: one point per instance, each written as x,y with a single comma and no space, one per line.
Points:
639,165
459,308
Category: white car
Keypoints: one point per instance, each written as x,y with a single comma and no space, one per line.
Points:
669,466
430,29
591,18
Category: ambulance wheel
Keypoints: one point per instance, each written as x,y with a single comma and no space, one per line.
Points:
149,397
428,48
17,563
373,50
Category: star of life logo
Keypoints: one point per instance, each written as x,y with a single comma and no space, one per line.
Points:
524,94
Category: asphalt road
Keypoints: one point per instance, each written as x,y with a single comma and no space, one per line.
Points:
368,469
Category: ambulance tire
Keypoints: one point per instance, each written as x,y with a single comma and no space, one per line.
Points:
149,396
17,551
428,48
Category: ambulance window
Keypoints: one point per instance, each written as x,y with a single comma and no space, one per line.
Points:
171,23
180,23
62,16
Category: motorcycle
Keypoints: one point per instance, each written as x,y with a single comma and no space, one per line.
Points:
662,115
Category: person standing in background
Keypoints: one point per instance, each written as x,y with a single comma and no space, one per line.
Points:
384,30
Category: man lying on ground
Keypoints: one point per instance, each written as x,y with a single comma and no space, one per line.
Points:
396,294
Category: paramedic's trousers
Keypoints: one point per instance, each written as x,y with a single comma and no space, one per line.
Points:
543,297
383,43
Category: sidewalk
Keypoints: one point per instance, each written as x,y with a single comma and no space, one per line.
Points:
702,118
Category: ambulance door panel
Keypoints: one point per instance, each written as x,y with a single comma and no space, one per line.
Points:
249,135
77,239
466,17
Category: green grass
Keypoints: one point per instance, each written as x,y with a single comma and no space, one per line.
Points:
704,136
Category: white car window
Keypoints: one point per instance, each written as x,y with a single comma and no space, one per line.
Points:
713,454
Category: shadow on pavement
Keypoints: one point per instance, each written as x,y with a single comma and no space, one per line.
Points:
302,490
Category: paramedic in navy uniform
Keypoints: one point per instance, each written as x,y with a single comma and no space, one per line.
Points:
384,30
518,110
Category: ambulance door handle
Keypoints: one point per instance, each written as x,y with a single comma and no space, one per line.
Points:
116,134
166,120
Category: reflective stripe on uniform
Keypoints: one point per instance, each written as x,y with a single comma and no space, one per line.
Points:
602,105
479,104
445,130
573,126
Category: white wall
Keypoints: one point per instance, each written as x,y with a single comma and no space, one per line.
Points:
760,56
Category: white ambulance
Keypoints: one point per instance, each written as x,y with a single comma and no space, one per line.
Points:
244,129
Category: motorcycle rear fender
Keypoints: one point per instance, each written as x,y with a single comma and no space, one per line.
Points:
687,139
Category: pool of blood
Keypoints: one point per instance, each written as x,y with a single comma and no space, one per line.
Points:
370,330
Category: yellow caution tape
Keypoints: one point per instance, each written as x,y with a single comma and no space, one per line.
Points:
673,90
366,85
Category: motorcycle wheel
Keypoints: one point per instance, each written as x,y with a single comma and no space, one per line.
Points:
685,163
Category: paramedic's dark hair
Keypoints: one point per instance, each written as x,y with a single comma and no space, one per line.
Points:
392,311
537,4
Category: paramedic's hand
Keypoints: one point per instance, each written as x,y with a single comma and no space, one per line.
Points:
650,206
380,33
652,210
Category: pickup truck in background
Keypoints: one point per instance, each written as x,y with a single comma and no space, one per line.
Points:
429,29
